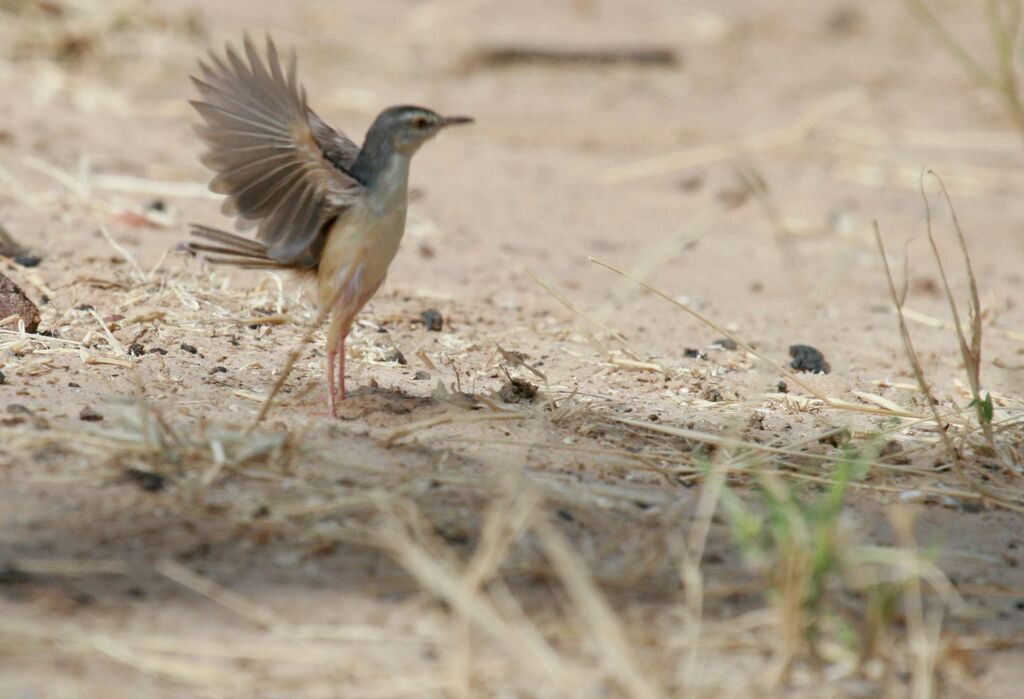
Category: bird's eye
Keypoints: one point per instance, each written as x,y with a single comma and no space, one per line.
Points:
420,122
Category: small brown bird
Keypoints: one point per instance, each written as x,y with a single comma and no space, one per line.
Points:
320,204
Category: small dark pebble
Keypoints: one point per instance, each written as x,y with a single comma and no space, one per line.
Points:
136,350
713,395
397,357
725,343
421,376
28,260
89,415
565,514
432,320
147,480
455,538
807,358
3,379
836,439
518,391
9,575
219,370
893,452
157,205
692,353
85,307
189,348
782,387
72,384
157,350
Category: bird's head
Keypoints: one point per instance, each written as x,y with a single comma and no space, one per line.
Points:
405,129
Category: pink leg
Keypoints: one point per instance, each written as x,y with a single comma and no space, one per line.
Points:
330,384
341,372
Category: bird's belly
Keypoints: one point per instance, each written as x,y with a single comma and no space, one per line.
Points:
356,256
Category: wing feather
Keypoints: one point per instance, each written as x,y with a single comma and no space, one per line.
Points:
281,167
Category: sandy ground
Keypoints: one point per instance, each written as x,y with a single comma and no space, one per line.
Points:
282,563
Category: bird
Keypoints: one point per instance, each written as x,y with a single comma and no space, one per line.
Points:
321,205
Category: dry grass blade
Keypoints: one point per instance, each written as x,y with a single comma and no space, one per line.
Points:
523,643
952,454
691,571
976,70
898,299
261,616
924,632
293,357
396,433
1004,27
606,630
943,324
633,352
67,567
970,350
507,521
718,328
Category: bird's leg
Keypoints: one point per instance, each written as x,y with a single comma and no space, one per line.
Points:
336,363
331,365
341,369
346,304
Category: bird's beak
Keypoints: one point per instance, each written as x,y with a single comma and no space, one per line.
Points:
456,120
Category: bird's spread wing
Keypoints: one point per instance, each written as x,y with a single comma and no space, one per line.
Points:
336,147
279,164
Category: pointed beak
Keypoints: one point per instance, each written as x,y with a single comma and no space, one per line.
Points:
456,120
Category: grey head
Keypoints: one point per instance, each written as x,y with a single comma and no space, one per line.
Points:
398,131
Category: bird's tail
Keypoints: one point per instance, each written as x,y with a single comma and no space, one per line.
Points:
223,248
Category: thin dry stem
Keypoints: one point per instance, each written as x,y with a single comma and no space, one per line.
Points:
718,328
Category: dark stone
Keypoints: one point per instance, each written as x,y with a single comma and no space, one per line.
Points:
147,480
518,391
89,415
13,302
432,319
807,358
28,260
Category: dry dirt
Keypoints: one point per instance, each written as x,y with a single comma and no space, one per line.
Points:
150,547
